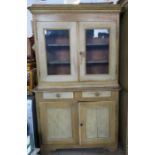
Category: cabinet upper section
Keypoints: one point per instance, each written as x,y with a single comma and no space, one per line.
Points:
76,44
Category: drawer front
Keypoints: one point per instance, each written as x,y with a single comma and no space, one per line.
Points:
58,95
96,94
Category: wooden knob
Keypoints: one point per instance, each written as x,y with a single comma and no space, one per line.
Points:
82,53
57,95
97,94
81,124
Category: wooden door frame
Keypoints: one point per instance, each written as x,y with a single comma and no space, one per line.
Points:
111,25
72,27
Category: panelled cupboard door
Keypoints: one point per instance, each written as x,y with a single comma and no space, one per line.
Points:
98,50
97,122
58,122
57,51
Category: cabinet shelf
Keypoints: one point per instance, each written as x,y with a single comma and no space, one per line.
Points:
58,45
58,62
99,44
97,62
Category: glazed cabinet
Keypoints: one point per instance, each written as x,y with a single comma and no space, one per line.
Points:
64,57
77,65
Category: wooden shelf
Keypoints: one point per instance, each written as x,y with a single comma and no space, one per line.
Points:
59,62
97,62
97,44
58,45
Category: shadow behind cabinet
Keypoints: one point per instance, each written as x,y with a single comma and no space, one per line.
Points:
77,66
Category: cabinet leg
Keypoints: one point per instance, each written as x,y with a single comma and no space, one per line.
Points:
112,149
47,151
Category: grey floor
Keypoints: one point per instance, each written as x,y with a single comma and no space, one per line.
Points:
86,152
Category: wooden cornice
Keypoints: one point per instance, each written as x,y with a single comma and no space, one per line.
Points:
124,5
47,8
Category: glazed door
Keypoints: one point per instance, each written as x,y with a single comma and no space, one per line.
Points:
98,51
97,122
58,122
57,51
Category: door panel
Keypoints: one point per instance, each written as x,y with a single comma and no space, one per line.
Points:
97,51
59,122
57,51
98,122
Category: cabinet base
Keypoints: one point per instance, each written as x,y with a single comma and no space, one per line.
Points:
112,149
47,149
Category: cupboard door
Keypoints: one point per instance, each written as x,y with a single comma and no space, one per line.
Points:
58,122
98,51
97,122
57,51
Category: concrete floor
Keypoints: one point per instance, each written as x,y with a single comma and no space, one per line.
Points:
86,152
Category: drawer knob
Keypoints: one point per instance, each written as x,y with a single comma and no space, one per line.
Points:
82,53
57,95
81,124
97,94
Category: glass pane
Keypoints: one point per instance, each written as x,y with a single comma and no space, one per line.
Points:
97,51
58,52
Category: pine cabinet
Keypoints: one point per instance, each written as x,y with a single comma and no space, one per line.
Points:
77,65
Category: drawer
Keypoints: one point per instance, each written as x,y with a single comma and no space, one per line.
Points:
96,94
58,95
